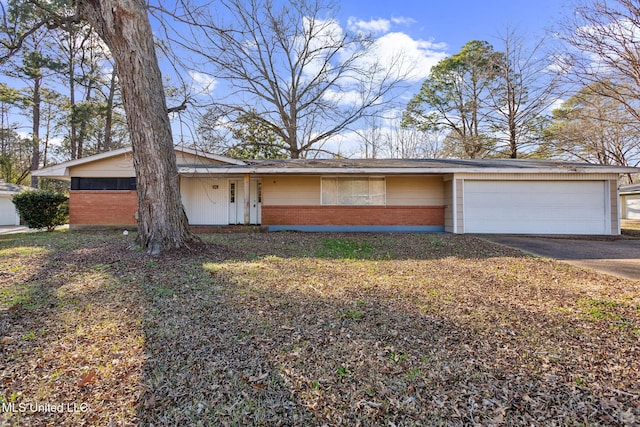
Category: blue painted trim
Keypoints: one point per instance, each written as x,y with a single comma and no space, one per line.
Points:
359,228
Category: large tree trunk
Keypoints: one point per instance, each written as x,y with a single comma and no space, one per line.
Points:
35,134
124,26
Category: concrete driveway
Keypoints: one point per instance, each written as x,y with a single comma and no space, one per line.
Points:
617,256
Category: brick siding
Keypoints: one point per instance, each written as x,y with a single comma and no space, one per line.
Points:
352,215
102,207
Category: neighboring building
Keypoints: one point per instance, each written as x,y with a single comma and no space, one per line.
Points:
8,213
418,195
630,201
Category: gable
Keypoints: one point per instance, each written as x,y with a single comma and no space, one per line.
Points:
119,164
193,159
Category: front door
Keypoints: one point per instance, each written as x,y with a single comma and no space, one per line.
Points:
236,201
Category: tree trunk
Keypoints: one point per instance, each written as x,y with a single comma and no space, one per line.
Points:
124,27
108,122
82,134
35,132
72,100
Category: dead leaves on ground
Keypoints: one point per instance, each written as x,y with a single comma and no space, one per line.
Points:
276,329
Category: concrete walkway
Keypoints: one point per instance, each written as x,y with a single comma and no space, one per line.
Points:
616,256
10,229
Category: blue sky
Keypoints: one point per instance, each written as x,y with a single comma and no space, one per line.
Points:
456,22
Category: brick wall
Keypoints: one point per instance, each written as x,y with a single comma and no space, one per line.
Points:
352,215
102,207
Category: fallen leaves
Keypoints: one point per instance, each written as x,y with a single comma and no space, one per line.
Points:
7,340
86,378
278,329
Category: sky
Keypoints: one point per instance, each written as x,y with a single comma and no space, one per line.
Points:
455,22
430,30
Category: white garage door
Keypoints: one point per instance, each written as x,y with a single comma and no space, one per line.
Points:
632,206
8,214
536,207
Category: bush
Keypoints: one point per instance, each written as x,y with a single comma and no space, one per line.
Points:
42,209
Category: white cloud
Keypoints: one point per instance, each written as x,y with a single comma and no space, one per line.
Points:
324,35
372,26
403,20
201,82
406,56
350,97
556,104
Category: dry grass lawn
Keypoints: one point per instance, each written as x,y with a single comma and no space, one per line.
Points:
311,329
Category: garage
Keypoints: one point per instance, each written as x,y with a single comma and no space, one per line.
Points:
8,214
631,203
536,207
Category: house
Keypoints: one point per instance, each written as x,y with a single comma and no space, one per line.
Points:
8,213
417,195
630,201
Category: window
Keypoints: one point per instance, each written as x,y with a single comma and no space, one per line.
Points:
103,183
232,192
353,191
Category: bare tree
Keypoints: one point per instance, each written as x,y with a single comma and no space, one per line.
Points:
595,129
293,66
526,85
124,27
411,142
604,35
371,138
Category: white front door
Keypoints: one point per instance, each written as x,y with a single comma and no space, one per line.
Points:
237,198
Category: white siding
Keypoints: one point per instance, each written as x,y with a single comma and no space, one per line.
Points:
449,207
631,206
536,207
205,200
8,214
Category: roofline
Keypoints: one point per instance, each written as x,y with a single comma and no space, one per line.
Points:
395,171
211,156
62,169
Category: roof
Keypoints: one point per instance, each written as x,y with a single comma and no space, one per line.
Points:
62,169
7,188
353,166
405,166
630,189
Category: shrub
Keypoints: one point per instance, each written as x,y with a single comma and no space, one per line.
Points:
42,209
